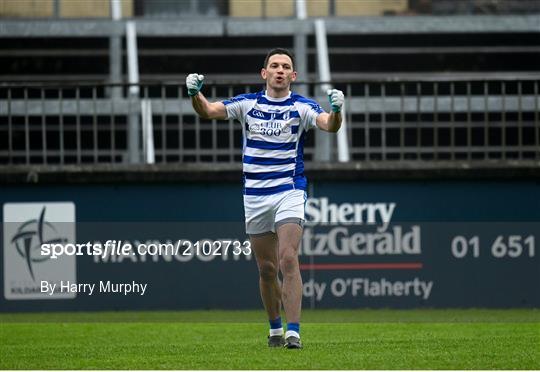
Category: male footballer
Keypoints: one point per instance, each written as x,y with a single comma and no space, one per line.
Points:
274,124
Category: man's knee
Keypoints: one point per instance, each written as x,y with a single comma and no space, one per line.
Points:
267,271
288,262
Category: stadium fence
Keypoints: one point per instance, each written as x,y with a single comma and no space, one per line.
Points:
418,120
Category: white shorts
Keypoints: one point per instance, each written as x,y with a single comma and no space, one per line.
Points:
264,212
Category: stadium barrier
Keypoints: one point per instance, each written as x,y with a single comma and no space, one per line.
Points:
442,119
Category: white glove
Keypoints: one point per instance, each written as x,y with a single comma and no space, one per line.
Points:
336,98
194,83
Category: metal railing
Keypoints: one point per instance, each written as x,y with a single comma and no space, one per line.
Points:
431,119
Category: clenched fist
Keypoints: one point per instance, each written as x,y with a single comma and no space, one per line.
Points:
336,98
194,83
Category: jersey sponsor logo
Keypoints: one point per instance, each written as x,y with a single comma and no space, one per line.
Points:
254,128
270,128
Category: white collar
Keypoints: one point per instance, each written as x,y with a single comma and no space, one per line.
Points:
281,99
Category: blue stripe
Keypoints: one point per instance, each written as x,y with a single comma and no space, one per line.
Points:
268,175
271,145
258,114
267,190
299,169
294,129
267,161
293,114
241,97
300,183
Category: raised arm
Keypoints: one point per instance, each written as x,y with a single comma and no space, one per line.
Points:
205,109
332,122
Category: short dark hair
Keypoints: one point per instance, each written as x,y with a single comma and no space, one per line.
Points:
279,51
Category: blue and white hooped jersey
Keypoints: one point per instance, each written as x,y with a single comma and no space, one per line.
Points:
274,133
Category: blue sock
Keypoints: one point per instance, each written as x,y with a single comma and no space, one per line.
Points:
276,323
293,327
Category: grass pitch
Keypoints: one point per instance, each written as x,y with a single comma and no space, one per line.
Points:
337,339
